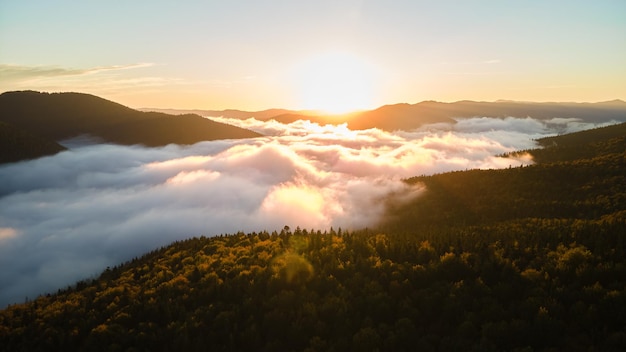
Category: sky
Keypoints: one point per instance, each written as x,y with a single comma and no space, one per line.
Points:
329,55
67,217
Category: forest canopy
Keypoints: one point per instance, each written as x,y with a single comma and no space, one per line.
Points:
520,259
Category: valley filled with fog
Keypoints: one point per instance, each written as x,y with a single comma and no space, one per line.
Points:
67,217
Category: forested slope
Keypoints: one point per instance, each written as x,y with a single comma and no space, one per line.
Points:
583,176
17,144
57,116
523,259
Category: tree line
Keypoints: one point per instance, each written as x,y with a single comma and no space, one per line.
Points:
522,259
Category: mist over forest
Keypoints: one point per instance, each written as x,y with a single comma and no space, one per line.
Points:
66,217
313,176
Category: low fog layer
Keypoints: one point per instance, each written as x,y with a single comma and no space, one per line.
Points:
69,216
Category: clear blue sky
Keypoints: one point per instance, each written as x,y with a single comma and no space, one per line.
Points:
303,54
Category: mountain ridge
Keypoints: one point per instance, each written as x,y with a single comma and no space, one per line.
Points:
406,116
59,116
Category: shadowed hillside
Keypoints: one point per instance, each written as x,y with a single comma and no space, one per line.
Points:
580,176
522,259
263,115
60,116
17,144
581,144
162,129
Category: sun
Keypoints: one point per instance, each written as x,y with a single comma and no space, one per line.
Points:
335,83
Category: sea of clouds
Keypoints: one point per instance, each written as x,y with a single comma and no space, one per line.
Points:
67,217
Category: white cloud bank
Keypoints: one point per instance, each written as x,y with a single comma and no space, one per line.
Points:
68,216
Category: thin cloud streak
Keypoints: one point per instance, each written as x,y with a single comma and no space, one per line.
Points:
35,72
108,79
68,216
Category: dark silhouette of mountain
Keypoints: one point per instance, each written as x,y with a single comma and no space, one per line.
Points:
412,116
400,117
17,144
519,259
263,115
59,116
62,115
408,117
590,112
162,129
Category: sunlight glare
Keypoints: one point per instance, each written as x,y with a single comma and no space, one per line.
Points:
336,83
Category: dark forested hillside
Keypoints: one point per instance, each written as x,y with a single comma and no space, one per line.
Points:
17,144
161,129
545,284
60,116
578,176
522,259
581,145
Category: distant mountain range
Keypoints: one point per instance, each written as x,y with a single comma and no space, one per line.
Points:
32,123
412,116
37,121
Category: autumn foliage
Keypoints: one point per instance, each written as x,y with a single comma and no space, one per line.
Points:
521,259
